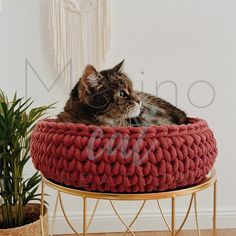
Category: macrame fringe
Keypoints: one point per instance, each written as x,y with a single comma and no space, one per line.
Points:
80,34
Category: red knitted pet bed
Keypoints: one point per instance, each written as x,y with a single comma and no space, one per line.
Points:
123,159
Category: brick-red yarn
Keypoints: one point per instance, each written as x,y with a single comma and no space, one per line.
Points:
123,159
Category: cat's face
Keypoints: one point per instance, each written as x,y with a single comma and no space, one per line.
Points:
109,92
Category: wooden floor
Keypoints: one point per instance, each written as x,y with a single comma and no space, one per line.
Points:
225,232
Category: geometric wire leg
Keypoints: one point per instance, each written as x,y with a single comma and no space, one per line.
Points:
93,213
185,218
128,227
69,223
54,214
163,216
132,222
42,208
214,208
64,213
196,215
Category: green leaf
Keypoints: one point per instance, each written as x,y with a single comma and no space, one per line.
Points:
17,121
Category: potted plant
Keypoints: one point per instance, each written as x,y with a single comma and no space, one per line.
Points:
18,215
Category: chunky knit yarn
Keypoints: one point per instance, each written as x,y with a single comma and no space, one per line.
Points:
123,159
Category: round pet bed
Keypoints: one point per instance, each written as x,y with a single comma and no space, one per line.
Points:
123,159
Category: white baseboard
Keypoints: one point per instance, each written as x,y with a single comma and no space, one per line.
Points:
147,221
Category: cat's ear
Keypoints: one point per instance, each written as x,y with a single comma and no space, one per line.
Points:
118,67
75,92
91,78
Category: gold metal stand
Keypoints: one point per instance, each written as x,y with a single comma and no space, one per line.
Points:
211,180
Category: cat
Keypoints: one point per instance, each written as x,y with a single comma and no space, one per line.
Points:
107,98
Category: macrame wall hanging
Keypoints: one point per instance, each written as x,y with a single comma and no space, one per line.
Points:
80,34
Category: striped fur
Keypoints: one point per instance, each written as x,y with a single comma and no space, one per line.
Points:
108,98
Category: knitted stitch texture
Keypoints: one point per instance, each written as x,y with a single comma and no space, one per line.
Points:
123,159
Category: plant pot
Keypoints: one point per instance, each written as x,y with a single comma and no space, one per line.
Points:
32,213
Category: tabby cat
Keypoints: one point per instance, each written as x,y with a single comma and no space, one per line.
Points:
107,98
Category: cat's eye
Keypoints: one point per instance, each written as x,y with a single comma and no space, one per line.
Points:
123,93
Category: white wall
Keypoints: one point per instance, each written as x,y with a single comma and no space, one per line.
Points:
183,41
